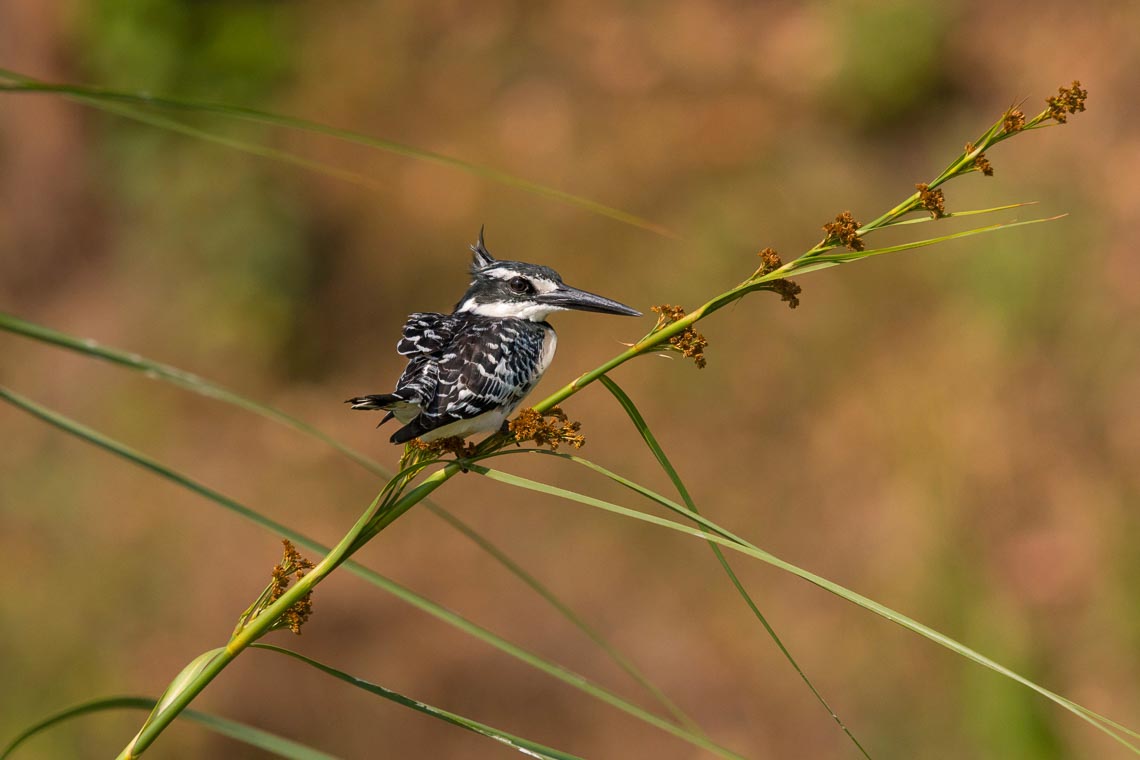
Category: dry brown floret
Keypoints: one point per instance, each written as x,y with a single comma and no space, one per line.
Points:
789,292
1014,120
689,342
844,230
932,200
532,425
440,446
981,163
769,260
1068,100
293,566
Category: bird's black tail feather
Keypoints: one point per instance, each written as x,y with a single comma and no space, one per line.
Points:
377,402
413,429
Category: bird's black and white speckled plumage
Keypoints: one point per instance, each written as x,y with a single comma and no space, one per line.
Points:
468,370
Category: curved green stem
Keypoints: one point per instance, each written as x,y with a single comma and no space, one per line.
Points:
199,673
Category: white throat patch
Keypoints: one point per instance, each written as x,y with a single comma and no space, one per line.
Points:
532,310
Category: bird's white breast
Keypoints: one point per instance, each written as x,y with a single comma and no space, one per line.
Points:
549,345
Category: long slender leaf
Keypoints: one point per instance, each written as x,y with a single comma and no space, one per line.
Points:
19,83
254,737
954,215
209,389
557,671
593,634
526,746
728,539
825,260
654,446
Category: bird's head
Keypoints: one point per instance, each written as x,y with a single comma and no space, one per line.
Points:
525,291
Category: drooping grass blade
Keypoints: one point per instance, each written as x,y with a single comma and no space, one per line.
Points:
726,538
19,83
526,746
654,446
254,737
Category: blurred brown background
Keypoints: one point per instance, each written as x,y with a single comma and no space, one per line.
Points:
953,432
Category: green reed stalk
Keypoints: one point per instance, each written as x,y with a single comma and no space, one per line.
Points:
393,502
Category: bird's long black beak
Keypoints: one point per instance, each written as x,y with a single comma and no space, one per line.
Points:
580,300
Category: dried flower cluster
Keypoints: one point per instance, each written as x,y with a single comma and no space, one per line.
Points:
789,292
440,446
932,200
689,342
1068,100
844,230
769,260
1014,120
531,425
981,163
293,565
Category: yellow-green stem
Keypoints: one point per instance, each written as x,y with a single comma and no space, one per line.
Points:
180,694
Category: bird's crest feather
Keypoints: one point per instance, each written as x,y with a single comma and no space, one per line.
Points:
483,257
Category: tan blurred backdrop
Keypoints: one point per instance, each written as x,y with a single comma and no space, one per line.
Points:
954,433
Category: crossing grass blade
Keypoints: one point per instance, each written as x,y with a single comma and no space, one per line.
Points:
254,737
725,538
525,746
17,83
654,446
825,260
376,579
956,215
209,389
621,660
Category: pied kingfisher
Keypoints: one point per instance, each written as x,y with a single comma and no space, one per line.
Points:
468,370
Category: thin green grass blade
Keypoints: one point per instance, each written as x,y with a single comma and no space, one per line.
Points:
209,389
651,441
614,654
254,737
726,538
18,83
825,260
953,215
262,151
557,671
525,746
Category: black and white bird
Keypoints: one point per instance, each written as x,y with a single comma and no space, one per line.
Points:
468,370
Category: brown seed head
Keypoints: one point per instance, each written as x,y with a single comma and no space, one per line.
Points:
293,566
931,200
769,261
1013,120
788,291
981,163
1068,100
689,342
844,230
440,446
530,425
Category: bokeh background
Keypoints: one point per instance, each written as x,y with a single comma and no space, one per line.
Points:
953,432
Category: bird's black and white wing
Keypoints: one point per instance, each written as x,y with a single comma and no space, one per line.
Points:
487,367
425,340
426,333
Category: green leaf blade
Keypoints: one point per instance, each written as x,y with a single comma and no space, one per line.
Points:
526,746
254,737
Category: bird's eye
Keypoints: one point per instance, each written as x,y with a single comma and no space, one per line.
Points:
518,284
